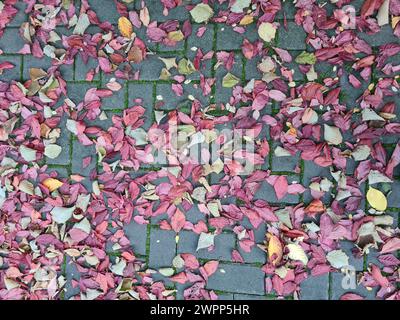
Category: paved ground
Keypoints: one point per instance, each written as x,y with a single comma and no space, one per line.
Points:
158,247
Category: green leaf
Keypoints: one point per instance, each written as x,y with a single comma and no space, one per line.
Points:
230,80
306,58
186,67
201,13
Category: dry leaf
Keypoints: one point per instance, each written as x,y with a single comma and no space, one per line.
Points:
296,252
275,250
125,27
52,184
376,199
267,31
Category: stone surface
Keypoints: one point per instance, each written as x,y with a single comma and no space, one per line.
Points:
315,288
237,279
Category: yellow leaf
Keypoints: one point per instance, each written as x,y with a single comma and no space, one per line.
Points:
176,35
275,251
247,19
125,27
52,184
376,199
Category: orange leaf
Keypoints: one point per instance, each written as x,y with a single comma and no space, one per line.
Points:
275,250
125,27
52,184
315,207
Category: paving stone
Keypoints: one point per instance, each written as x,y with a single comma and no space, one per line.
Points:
11,41
288,10
259,233
137,235
166,98
237,279
222,95
256,255
292,38
224,244
193,214
315,288
77,91
67,71
32,62
14,73
82,68
71,273
162,248
337,291
78,154
106,10
394,196
312,170
384,36
357,263
267,193
144,92
64,142
150,68
156,11
180,46
20,17
349,94
288,163
228,39
118,99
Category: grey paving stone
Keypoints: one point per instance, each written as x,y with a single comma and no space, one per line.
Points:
61,171
67,71
11,41
105,10
118,99
267,192
14,73
349,94
166,98
76,91
222,95
384,36
71,273
144,92
32,62
394,196
156,11
162,248
315,288
288,10
205,42
292,38
237,279
256,255
79,152
150,68
180,46
228,39
194,215
82,68
347,247
21,16
137,235
288,163
64,142
224,244
337,291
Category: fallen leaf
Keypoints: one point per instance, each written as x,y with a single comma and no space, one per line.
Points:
275,250
125,27
297,253
201,13
376,199
52,184
267,31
